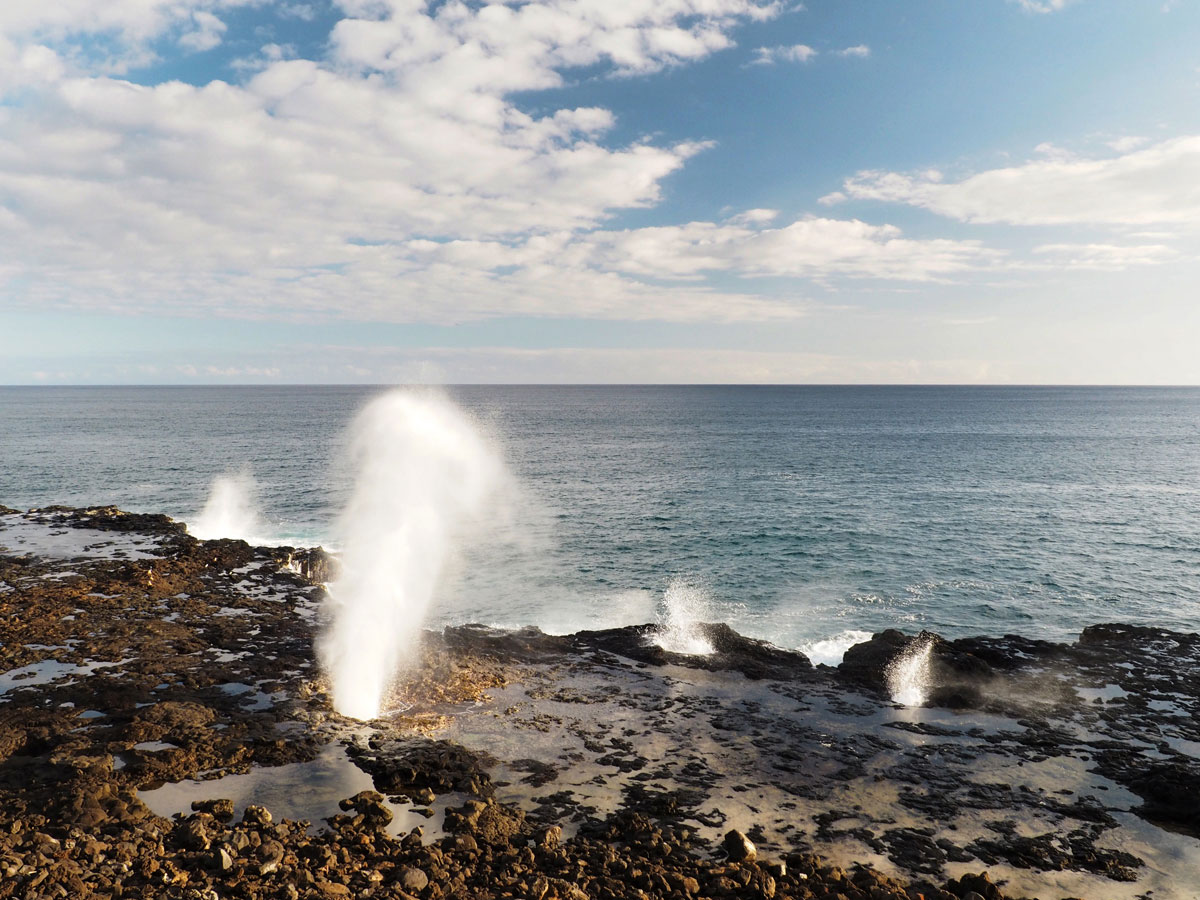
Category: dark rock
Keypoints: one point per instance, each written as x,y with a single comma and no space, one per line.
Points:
256,816
867,662
370,805
731,651
221,859
464,843
978,884
958,677
1170,793
739,847
218,809
270,854
413,879
315,565
424,767
193,835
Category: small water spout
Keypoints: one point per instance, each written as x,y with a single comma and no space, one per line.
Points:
231,510
684,607
909,675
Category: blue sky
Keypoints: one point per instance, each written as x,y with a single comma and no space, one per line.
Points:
241,191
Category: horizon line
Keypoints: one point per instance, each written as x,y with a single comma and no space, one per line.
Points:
611,384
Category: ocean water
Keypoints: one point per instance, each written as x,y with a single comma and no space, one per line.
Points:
796,514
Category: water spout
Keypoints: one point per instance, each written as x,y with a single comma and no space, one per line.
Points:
425,477
909,674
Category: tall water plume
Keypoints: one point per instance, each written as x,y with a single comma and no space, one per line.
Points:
231,510
425,479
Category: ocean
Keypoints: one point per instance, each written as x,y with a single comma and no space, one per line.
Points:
796,514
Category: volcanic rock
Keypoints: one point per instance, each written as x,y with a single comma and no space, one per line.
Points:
739,847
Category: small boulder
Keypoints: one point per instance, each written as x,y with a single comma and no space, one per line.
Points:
739,847
221,810
413,879
371,806
256,815
193,835
221,860
270,855
549,838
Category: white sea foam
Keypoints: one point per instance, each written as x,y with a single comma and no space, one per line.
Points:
909,674
426,480
684,607
829,651
231,510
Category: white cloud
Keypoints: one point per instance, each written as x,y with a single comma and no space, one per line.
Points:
1127,143
1109,257
813,247
1043,6
306,12
396,182
206,34
128,26
502,48
1156,185
799,53
859,50
754,217
1054,152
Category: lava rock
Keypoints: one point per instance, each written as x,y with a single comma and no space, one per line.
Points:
256,815
739,847
413,879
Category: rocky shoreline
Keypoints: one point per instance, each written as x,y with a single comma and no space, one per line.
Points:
164,733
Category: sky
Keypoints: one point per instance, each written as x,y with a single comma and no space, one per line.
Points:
395,191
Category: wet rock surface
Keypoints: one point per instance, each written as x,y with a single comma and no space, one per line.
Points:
519,764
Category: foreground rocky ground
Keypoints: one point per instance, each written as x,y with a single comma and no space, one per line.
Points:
163,733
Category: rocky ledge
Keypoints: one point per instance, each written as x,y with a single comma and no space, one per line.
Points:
164,733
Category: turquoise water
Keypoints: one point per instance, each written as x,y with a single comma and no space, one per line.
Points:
794,513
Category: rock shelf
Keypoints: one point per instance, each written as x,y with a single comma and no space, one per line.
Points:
158,697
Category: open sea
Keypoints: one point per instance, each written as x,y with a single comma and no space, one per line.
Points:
795,514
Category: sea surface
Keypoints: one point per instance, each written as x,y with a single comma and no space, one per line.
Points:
795,514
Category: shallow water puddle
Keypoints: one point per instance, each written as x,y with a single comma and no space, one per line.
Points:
307,790
47,671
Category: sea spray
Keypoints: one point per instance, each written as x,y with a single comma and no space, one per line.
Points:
830,651
684,607
425,477
231,510
909,674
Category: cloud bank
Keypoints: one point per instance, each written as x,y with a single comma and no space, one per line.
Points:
393,179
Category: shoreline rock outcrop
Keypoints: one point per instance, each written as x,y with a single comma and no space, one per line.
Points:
519,764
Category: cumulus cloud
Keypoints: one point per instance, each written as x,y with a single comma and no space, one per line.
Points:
205,35
127,27
799,53
1155,185
859,50
395,180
